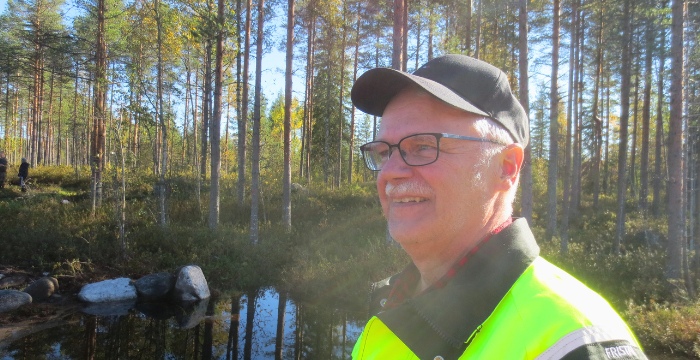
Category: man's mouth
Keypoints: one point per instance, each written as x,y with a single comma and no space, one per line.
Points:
409,200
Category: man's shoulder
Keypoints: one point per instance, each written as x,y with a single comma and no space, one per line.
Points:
544,284
575,320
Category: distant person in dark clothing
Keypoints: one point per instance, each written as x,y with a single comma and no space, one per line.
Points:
23,173
3,169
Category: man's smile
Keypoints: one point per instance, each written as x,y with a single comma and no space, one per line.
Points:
409,200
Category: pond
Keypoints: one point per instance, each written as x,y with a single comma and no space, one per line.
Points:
227,328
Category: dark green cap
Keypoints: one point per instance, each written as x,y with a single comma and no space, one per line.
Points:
458,80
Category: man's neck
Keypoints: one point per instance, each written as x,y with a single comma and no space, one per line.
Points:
432,265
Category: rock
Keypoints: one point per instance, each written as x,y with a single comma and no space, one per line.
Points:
12,299
298,188
13,281
154,286
109,290
65,202
42,289
190,284
114,308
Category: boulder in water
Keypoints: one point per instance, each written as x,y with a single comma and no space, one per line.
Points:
154,286
12,299
120,289
13,280
42,289
191,284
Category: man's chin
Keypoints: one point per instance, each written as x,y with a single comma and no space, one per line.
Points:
404,233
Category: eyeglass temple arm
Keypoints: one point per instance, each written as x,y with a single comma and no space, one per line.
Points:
451,136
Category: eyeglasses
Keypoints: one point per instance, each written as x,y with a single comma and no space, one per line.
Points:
416,150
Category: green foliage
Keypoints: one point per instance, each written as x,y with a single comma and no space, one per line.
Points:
335,249
675,327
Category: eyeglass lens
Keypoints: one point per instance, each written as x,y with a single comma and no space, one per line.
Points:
416,150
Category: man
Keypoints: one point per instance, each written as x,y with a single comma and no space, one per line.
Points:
448,155
23,174
3,169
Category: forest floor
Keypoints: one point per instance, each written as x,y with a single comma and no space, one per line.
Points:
338,238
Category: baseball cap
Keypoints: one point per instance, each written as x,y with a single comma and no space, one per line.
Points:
458,80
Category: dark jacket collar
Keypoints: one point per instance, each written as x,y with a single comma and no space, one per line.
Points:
440,322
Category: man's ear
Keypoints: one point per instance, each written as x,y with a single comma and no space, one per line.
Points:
511,161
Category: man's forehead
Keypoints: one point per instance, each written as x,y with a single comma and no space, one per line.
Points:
414,107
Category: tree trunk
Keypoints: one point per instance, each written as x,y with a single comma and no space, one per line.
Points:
206,110
239,111
243,116
215,129
98,136
310,96
659,138
60,113
341,103
606,173
553,130
431,28
326,122
468,33
397,49
404,37
480,11
675,165
287,177
646,115
575,196
255,178
161,119
597,123
624,120
633,150
566,201
351,151
526,172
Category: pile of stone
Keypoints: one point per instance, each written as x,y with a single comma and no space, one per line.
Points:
38,291
186,284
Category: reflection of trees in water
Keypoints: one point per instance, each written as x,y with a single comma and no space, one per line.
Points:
281,312
313,331
232,346
321,333
250,318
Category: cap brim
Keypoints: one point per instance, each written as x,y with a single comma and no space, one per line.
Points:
374,90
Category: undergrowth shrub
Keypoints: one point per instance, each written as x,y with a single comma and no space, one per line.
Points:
671,327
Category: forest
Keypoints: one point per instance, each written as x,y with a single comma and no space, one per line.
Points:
151,118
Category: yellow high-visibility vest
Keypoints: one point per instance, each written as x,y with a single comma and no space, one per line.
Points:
545,314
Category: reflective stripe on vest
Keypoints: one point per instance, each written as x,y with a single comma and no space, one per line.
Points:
546,314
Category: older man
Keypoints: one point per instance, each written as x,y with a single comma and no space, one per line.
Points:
448,155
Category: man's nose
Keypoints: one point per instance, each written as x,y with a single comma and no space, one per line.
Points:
395,166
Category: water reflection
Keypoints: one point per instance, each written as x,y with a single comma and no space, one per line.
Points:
275,328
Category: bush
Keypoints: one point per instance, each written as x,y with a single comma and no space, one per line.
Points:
674,327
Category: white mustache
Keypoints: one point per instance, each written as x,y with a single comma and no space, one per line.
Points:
411,188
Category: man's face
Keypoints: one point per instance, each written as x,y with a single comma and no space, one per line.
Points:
439,202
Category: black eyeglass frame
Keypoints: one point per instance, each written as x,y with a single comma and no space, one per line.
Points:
438,136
